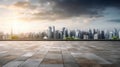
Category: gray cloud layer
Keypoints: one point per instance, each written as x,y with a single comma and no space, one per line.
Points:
62,9
115,20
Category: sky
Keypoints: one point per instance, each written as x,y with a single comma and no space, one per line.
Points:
38,15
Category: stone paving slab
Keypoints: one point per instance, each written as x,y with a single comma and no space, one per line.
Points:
53,59
51,65
30,63
13,64
91,56
59,54
6,59
68,59
71,65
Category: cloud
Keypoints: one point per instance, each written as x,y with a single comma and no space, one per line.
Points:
64,9
21,4
88,20
115,20
90,8
16,5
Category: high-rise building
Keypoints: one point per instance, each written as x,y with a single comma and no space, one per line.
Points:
107,35
94,31
82,35
90,34
57,34
96,36
110,35
50,33
102,36
54,33
85,37
63,32
119,34
66,33
76,34
79,34
116,32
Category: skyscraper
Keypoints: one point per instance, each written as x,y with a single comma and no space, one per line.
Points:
110,35
107,35
54,33
96,36
50,33
65,33
85,36
90,34
76,34
102,35
115,32
119,34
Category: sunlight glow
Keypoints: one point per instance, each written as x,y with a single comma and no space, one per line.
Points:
19,27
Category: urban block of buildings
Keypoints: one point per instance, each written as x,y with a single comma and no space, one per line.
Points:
65,34
91,34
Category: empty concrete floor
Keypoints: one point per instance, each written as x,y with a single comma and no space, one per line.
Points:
59,54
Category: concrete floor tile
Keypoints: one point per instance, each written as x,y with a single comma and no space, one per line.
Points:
51,65
30,63
71,65
13,64
60,53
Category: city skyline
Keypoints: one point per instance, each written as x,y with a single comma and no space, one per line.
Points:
64,34
37,15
